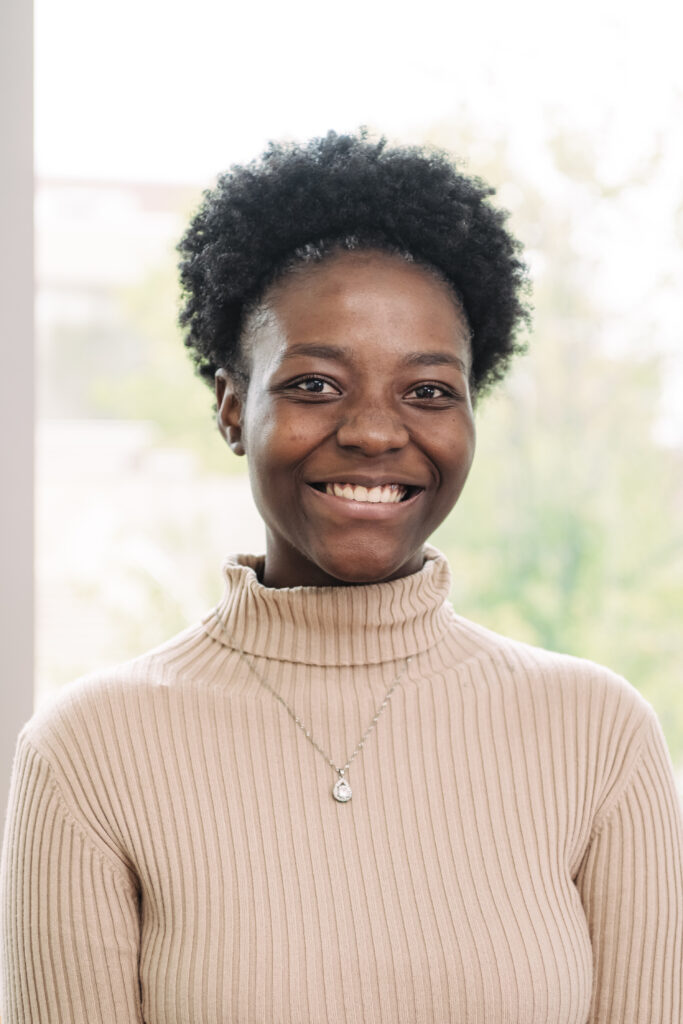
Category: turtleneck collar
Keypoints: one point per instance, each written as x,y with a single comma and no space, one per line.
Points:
346,625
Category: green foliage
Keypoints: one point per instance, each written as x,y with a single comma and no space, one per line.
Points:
568,534
160,385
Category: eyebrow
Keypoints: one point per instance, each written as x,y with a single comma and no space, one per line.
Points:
340,353
435,359
314,349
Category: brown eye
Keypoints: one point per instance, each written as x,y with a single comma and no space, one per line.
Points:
315,386
429,391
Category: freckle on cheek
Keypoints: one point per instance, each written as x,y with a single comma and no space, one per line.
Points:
293,436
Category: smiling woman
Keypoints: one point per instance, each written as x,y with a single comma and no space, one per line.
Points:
358,381
334,799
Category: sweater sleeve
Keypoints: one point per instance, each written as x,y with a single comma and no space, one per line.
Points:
70,918
631,886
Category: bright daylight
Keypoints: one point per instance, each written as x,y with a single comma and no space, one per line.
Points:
342,672
568,533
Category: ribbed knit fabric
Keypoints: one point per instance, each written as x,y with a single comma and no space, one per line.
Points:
512,852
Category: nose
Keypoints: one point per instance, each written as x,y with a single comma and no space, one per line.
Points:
373,428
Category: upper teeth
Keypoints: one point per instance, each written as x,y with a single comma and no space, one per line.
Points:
356,492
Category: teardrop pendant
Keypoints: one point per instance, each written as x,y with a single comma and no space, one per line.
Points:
341,790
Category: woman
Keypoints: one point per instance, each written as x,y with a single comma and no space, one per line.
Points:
335,800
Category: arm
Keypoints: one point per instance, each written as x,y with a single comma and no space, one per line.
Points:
70,922
631,887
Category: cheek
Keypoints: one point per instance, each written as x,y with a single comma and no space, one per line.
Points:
468,450
261,432
469,445
293,432
294,435
278,442
457,441
456,456
467,434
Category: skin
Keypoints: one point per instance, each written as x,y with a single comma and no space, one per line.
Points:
359,373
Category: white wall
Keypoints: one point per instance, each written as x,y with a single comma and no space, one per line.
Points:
16,377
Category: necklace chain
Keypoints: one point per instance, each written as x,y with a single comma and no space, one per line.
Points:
345,788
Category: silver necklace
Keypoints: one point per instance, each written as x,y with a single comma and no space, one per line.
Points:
341,790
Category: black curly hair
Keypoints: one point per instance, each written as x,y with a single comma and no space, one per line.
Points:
302,202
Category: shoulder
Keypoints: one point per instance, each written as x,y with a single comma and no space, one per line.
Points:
99,745
97,708
573,686
571,716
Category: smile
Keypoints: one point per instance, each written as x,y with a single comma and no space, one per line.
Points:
386,494
380,494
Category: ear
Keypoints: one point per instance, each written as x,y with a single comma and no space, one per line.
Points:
229,411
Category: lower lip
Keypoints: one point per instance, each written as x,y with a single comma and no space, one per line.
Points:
365,509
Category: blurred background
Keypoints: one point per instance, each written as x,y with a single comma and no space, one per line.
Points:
569,533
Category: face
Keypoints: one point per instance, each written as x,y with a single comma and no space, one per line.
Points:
357,422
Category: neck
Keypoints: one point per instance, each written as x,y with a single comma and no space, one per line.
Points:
332,625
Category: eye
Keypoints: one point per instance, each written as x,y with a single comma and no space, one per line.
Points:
430,391
315,386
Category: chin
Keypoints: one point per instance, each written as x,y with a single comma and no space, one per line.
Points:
370,567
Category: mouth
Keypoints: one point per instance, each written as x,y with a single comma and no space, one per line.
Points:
379,494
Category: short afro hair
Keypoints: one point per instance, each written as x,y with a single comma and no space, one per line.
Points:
345,191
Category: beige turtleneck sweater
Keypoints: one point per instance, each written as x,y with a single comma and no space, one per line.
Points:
512,851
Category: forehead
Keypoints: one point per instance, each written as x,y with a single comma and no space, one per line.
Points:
374,295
